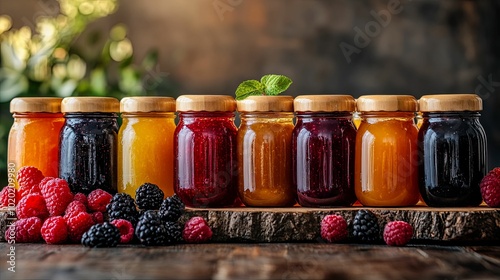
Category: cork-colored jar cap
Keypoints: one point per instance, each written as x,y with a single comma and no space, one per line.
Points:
387,103
324,103
35,105
208,103
147,104
280,103
90,105
450,103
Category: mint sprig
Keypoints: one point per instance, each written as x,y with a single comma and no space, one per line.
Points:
268,85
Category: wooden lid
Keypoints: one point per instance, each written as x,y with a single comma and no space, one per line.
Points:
265,103
147,104
324,103
90,105
387,103
209,103
450,103
35,105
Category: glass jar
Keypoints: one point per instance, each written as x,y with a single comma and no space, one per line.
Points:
323,144
452,148
386,160
88,149
34,135
146,144
265,151
205,151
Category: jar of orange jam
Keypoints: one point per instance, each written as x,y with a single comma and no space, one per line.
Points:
34,136
145,144
386,160
265,151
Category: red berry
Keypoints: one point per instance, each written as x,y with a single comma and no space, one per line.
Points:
32,205
55,230
24,230
78,224
126,230
490,188
82,198
57,195
98,217
28,179
74,207
98,199
333,228
196,230
8,197
397,233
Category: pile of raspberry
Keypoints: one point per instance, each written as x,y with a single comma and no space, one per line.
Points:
47,210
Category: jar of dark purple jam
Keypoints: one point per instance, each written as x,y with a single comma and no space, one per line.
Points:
452,150
323,145
205,164
88,143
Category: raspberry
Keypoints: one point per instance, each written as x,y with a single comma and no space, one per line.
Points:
8,196
196,230
397,233
365,226
174,232
102,235
28,178
26,230
32,205
126,230
490,188
149,197
150,229
171,209
98,217
333,228
98,199
122,206
57,195
82,198
78,224
74,207
55,230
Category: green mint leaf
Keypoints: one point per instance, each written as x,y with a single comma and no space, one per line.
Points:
275,84
247,88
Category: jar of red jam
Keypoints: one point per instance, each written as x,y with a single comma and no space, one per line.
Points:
386,157
323,144
88,147
34,135
205,171
452,149
265,151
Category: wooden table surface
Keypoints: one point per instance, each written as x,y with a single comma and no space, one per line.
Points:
252,261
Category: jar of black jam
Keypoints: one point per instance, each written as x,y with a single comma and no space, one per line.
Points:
323,145
452,150
88,143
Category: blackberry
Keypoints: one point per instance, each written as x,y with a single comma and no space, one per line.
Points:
122,206
151,230
171,209
101,235
365,226
174,232
149,197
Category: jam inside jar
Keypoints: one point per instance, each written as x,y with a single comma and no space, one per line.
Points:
205,151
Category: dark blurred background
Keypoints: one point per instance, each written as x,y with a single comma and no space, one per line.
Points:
325,46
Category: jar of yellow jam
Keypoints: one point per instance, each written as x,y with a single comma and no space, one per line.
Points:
34,135
265,151
386,160
145,144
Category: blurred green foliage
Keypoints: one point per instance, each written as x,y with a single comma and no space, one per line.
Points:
46,62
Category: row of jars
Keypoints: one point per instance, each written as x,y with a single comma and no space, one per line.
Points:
322,160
